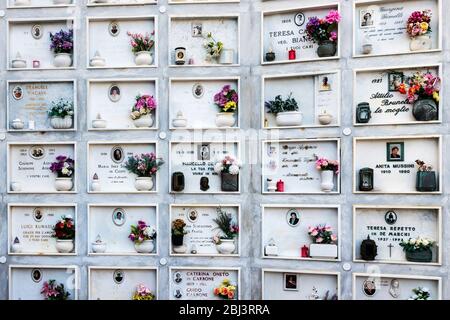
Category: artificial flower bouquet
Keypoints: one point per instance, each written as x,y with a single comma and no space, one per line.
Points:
51,290
62,42
422,85
64,229
212,46
323,164
143,293
144,165
322,234
228,227
141,42
420,293
61,108
64,167
226,99
418,23
142,232
226,290
144,105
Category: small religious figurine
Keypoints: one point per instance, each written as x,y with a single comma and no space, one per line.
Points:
394,289
204,183
314,295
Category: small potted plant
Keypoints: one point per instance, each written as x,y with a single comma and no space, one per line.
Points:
229,229
64,232
420,293
62,47
425,178
227,101
64,167
144,166
213,48
422,91
52,290
178,233
328,169
324,245
286,111
143,237
419,29
141,45
61,114
228,168
143,293
418,250
142,111
226,290
324,33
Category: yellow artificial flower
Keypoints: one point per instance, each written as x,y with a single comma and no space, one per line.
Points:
226,281
424,26
436,96
230,105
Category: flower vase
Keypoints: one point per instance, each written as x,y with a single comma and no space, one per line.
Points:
62,60
144,183
63,184
146,246
226,246
425,110
420,43
61,122
317,250
327,180
419,255
144,121
143,58
289,118
225,119
230,182
326,48
64,246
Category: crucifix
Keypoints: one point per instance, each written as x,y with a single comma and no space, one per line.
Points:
390,249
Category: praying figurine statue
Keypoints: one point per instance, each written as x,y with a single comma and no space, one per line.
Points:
314,295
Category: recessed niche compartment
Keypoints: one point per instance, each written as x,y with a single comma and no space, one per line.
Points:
285,231
19,4
28,44
106,167
191,166
29,167
300,285
110,225
188,34
373,286
380,27
120,283
378,89
109,45
198,283
97,3
389,226
283,30
30,228
29,102
26,281
192,104
289,166
110,103
389,164
202,1
317,96
201,229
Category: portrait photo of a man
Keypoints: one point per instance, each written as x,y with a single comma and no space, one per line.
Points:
293,217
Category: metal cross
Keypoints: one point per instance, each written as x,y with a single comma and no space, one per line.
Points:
390,249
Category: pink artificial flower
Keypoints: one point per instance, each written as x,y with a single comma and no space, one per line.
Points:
319,240
333,16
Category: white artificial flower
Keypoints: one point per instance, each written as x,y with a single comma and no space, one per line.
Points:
425,289
425,242
65,171
234,169
69,216
218,167
412,241
149,231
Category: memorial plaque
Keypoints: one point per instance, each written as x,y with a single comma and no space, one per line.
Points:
395,171
201,227
120,283
30,101
187,95
190,33
106,162
284,30
293,162
29,166
377,87
30,48
300,285
196,161
368,286
39,4
389,226
116,48
111,223
315,94
187,283
31,228
26,281
382,24
290,237
112,102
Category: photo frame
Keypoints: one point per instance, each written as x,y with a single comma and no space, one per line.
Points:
36,275
299,19
114,93
203,152
192,215
196,29
17,93
37,152
119,217
177,277
177,293
324,83
394,80
117,154
198,90
38,215
390,217
369,287
395,151
114,28
366,18
118,276
290,282
293,217
36,31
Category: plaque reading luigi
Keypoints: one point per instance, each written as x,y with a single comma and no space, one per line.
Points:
389,227
190,283
108,163
30,164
